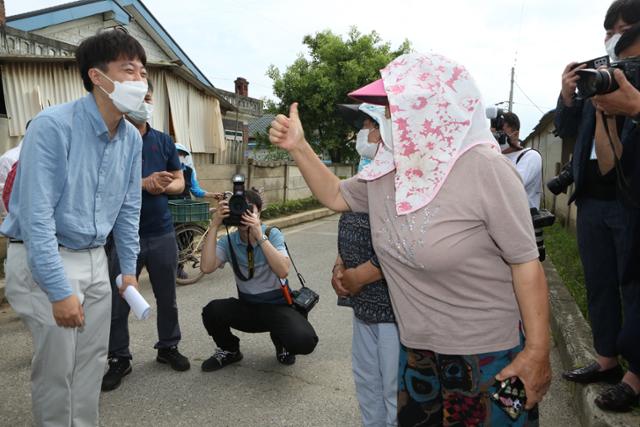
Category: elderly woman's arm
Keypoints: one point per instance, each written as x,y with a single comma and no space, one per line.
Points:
532,364
287,133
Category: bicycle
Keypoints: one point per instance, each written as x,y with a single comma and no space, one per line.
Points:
188,217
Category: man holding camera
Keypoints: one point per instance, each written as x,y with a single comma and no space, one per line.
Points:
261,265
527,162
605,156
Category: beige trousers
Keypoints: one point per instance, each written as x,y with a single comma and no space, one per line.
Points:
68,363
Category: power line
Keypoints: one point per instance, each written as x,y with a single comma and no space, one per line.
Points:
527,96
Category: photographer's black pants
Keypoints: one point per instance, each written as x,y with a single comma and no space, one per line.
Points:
605,243
286,326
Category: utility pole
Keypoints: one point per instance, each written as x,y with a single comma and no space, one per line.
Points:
513,70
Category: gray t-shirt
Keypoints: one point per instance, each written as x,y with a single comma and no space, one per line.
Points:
447,264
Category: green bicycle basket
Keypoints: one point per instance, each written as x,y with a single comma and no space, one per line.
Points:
189,211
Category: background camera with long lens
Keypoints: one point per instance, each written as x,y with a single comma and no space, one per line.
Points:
238,204
560,183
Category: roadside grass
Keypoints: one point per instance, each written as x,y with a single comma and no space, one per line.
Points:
562,248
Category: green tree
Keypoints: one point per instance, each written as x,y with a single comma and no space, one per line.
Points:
333,68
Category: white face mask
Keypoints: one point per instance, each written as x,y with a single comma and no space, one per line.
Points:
142,115
610,46
127,96
363,147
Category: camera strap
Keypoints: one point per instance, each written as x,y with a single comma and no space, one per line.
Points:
621,180
300,277
234,259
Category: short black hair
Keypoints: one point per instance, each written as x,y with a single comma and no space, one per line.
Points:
512,120
106,46
149,86
254,198
628,38
628,10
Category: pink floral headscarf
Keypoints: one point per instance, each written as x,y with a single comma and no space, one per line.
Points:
436,116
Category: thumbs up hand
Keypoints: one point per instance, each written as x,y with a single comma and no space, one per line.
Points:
286,132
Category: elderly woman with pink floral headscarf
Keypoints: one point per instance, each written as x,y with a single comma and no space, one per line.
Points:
451,228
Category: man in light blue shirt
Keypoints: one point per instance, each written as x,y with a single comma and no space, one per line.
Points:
78,178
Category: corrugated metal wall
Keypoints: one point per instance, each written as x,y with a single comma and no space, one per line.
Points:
195,116
30,87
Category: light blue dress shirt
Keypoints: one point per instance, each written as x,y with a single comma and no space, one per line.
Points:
75,184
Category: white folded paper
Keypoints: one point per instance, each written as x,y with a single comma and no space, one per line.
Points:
138,304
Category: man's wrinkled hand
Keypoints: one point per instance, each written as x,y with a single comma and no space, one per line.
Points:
128,280
157,182
68,312
534,370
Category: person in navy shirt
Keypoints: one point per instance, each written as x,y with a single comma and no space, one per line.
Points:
161,176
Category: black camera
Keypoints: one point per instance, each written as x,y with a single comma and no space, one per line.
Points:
560,183
598,82
541,218
496,115
238,204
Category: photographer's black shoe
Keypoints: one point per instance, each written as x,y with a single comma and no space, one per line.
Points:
220,359
118,368
172,356
592,374
284,357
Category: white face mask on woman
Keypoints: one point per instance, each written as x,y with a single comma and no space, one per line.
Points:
143,114
363,147
610,46
127,96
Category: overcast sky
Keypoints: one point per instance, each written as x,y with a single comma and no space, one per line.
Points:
231,38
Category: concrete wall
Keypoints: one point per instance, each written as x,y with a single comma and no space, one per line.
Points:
281,181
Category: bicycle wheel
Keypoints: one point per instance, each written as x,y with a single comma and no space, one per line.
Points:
190,239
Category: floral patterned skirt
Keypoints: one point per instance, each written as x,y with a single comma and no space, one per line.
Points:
451,390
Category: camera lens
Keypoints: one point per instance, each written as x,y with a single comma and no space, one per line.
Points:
237,205
595,82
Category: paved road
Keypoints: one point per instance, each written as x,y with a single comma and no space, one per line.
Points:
317,391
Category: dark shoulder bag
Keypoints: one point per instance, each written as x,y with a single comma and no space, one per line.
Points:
303,299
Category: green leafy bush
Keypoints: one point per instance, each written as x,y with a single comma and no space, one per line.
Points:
274,210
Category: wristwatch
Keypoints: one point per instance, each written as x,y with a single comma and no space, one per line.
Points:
262,240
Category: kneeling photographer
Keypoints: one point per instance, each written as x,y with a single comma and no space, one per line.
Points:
603,116
261,262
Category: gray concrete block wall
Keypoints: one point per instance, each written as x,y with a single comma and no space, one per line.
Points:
270,178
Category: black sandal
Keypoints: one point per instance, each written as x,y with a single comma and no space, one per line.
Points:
617,398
